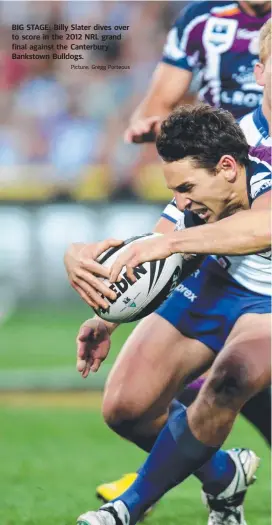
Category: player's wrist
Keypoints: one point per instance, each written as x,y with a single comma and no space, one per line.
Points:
109,326
175,242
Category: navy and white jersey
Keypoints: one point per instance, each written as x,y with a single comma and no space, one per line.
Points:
220,40
256,128
251,271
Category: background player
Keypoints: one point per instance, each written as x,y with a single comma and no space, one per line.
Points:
212,184
218,39
257,124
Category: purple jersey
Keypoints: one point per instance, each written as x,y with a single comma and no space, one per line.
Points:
220,40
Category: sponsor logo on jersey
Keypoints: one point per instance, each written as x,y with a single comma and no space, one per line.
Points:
245,75
239,98
219,34
196,273
189,294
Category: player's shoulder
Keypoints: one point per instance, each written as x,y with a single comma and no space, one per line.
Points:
259,171
245,119
260,155
200,10
249,128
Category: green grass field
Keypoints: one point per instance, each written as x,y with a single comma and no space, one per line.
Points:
46,338
54,449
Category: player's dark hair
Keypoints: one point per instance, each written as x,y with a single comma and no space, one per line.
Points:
202,133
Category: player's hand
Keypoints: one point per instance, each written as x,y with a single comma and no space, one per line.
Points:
143,130
93,345
139,252
84,273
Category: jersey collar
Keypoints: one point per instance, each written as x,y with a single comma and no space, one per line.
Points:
261,122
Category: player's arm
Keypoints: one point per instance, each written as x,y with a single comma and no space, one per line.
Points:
94,336
168,86
246,232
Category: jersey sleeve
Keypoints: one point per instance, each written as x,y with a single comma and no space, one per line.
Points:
260,180
172,213
182,219
184,41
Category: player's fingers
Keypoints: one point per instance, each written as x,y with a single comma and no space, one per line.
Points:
133,135
94,267
130,273
90,295
128,136
142,127
83,349
96,365
85,372
84,295
91,284
116,269
105,245
81,365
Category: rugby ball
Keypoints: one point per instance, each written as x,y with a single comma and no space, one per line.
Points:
155,282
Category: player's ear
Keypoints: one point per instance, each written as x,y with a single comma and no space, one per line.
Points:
227,167
259,73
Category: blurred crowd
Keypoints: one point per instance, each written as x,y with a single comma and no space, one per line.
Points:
61,129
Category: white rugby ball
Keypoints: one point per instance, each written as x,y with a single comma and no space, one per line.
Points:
155,282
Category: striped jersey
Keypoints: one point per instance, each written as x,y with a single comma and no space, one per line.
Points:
256,128
251,271
220,40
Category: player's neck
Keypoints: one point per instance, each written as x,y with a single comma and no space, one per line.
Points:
241,188
267,113
256,10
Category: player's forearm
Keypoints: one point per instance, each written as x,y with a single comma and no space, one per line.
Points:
151,106
244,233
168,86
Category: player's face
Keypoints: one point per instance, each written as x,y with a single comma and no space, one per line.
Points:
263,74
196,189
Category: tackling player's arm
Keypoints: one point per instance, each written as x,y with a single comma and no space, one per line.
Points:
168,86
246,232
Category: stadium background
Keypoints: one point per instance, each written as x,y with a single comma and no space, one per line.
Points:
66,175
